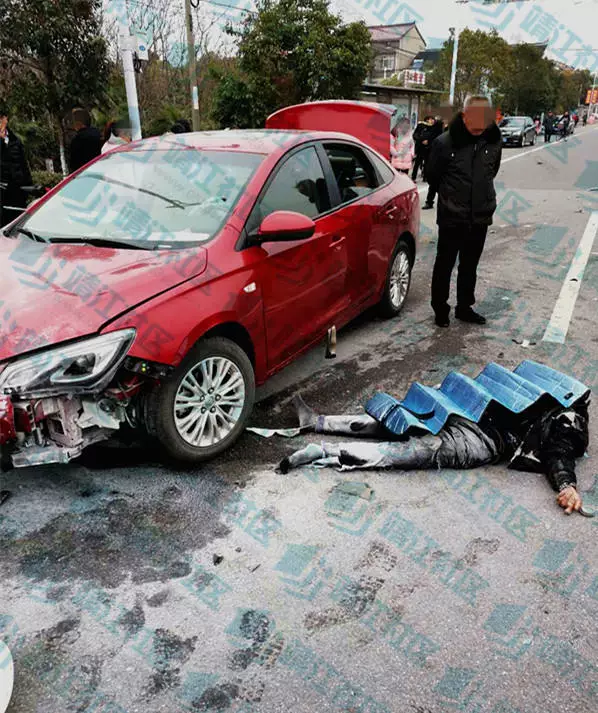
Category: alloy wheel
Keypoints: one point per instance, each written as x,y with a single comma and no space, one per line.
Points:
399,279
209,401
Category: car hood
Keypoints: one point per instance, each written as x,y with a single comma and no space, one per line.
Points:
50,293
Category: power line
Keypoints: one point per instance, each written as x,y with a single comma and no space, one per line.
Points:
151,6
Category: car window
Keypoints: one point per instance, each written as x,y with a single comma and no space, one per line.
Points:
171,196
354,174
299,185
386,172
512,121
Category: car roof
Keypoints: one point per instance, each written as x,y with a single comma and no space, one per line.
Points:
263,141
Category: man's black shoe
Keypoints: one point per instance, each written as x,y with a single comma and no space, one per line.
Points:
468,315
442,321
427,206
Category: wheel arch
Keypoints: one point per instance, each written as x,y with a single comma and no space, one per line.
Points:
236,333
409,239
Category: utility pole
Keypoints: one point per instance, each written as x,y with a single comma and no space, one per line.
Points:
126,51
192,66
456,33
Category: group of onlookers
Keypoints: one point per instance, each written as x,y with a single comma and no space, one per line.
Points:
409,151
560,126
87,143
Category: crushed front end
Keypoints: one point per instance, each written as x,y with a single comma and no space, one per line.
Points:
57,402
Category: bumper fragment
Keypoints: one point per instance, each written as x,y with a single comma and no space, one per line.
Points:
8,432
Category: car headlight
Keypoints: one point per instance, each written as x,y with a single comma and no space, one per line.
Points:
79,367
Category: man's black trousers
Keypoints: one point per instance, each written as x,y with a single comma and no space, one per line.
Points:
419,162
467,242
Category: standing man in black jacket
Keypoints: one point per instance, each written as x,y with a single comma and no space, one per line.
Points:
422,136
14,173
86,143
462,165
436,130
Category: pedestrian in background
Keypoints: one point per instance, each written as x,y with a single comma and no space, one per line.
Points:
437,130
86,143
548,127
402,147
116,134
422,137
564,125
538,125
14,172
462,165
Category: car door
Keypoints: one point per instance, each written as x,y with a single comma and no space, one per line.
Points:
530,130
302,281
358,212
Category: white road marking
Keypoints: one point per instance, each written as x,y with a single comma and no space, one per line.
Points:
565,304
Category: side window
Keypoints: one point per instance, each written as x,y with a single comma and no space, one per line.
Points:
386,172
299,186
354,174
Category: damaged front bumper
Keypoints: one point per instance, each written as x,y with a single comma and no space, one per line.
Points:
55,403
54,429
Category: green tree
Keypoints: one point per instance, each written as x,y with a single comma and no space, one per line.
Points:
54,55
572,88
482,65
292,51
531,85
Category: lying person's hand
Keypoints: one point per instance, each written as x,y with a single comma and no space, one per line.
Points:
569,499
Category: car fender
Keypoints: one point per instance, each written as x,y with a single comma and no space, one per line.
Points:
170,324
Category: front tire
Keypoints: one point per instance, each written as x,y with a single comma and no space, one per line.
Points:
398,280
202,409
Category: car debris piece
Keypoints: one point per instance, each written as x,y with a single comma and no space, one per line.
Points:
217,559
331,343
525,343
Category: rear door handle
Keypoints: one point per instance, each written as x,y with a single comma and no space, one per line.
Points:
391,211
336,240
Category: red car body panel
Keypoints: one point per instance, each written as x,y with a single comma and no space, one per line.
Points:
55,292
368,122
283,295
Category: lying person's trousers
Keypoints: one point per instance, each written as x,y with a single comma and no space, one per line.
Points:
460,444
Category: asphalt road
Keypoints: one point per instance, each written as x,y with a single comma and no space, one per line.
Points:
129,586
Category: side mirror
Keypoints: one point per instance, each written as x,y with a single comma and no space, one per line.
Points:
285,225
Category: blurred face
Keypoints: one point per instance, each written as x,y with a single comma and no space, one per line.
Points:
3,124
124,134
477,117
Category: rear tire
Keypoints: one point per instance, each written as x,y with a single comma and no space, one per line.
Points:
202,408
398,281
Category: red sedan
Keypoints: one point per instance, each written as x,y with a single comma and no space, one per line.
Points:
159,284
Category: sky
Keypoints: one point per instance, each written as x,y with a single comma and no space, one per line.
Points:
568,24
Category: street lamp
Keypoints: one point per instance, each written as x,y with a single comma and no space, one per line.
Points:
455,32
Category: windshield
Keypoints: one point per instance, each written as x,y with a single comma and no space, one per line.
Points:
154,197
513,122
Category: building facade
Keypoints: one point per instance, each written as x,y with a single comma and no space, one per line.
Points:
394,47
